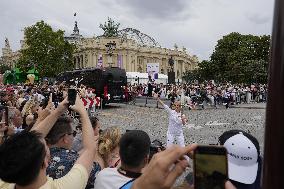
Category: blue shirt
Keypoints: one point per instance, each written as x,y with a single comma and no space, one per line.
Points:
61,162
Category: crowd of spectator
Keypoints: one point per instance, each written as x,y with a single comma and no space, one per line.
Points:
209,92
43,146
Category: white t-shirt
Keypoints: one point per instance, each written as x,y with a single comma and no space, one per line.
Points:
175,122
110,178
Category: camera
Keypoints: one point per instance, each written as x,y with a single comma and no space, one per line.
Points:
155,147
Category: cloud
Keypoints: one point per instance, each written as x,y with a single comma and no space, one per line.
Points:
258,19
194,24
158,9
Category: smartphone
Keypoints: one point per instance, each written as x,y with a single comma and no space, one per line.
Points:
3,118
72,93
210,167
4,115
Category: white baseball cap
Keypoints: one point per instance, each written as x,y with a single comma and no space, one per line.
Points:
242,159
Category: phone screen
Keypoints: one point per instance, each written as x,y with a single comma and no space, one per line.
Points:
72,96
210,167
4,114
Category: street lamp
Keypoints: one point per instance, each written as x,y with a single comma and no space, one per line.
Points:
110,48
137,79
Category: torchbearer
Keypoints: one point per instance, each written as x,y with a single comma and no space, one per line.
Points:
176,121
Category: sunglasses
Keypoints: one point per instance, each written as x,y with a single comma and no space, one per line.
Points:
176,105
74,133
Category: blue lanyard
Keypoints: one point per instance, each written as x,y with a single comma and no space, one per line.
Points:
128,185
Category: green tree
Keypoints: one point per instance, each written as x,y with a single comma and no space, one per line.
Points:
191,75
46,50
241,58
3,68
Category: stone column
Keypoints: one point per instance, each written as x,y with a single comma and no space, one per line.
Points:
129,63
144,64
105,63
79,61
82,61
93,59
125,63
135,62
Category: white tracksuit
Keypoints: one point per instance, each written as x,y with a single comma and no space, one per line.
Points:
175,127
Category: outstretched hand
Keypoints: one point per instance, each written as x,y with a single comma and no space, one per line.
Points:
78,106
156,96
63,106
164,168
43,113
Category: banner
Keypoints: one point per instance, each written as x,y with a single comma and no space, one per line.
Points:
119,60
100,61
153,70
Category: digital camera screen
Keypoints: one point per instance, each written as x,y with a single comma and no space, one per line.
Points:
210,171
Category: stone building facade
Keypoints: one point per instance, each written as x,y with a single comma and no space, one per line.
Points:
132,49
134,52
9,57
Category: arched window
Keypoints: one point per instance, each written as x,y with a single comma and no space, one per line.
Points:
139,69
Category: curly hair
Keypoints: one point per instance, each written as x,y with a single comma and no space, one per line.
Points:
108,141
27,109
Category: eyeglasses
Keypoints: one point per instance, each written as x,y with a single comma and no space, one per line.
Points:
176,105
74,133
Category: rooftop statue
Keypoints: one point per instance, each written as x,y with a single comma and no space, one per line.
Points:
7,45
110,28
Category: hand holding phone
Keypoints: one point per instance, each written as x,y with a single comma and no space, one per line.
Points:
210,167
4,115
72,93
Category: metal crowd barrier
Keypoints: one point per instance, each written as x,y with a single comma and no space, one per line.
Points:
145,101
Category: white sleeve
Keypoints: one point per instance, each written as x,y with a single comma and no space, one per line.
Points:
167,108
177,120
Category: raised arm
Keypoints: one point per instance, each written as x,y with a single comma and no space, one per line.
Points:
167,108
45,126
162,170
88,138
156,96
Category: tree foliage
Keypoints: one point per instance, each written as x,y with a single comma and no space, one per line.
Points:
3,68
46,50
238,58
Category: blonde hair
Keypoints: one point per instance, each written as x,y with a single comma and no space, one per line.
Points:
27,109
108,141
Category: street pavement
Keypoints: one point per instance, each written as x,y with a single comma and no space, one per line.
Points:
204,126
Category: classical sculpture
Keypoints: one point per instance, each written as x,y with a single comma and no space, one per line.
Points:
171,62
176,47
7,45
171,73
110,28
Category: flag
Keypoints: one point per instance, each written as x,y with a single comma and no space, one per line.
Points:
100,61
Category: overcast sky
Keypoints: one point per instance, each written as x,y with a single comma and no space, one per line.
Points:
194,24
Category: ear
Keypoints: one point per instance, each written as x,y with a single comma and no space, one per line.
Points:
146,160
65,139
45,162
